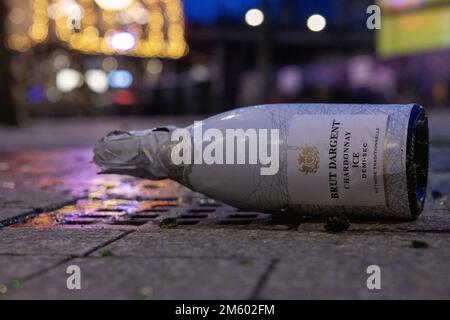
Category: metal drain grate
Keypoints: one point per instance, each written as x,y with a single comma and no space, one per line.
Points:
133,213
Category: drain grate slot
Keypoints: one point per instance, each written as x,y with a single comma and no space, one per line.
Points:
95,216
145,216
79,221
193,216
202,210
130,222
152,210
187,222
235,222
100,215
116,210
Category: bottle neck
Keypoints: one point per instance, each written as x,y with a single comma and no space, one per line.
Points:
134,153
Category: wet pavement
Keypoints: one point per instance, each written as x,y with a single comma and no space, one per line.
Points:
140,239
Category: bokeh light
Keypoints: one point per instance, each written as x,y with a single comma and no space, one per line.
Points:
17,15
316,23
110,63
97,80
36,95
199,73
254,17
61,61
120,79
115,5
123,41
154,66
54,95
68,80
125,98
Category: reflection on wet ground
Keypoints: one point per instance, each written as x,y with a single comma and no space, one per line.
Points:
109,201
132,213
110,211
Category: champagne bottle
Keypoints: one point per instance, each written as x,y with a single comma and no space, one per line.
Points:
360,160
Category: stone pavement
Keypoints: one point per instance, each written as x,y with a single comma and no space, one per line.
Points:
55,211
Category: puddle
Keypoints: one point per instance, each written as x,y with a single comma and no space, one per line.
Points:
108,200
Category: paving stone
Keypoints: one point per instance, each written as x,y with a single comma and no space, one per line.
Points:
14,203
15,268
247,243
141,278
53,241
433,220
340,272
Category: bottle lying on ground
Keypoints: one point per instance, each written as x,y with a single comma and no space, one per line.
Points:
312,159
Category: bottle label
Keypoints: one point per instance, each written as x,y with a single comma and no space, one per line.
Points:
337,160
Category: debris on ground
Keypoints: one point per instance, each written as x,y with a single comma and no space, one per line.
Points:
3,289
168,223
419,244
288,218
16,283
107,253
337,224
146,292
436,194
245,262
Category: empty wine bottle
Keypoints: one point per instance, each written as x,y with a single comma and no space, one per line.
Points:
312,159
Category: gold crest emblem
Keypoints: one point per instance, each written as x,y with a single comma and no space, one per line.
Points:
308,159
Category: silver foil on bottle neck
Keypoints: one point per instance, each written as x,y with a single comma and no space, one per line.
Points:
134,153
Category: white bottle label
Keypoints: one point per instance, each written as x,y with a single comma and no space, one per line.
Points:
337,160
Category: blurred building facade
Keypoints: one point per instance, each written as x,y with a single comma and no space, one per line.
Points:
86,57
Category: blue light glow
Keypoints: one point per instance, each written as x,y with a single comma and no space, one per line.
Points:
120,79
36,95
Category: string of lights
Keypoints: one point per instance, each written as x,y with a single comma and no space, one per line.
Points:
140,28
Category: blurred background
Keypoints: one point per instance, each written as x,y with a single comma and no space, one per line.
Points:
85,58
